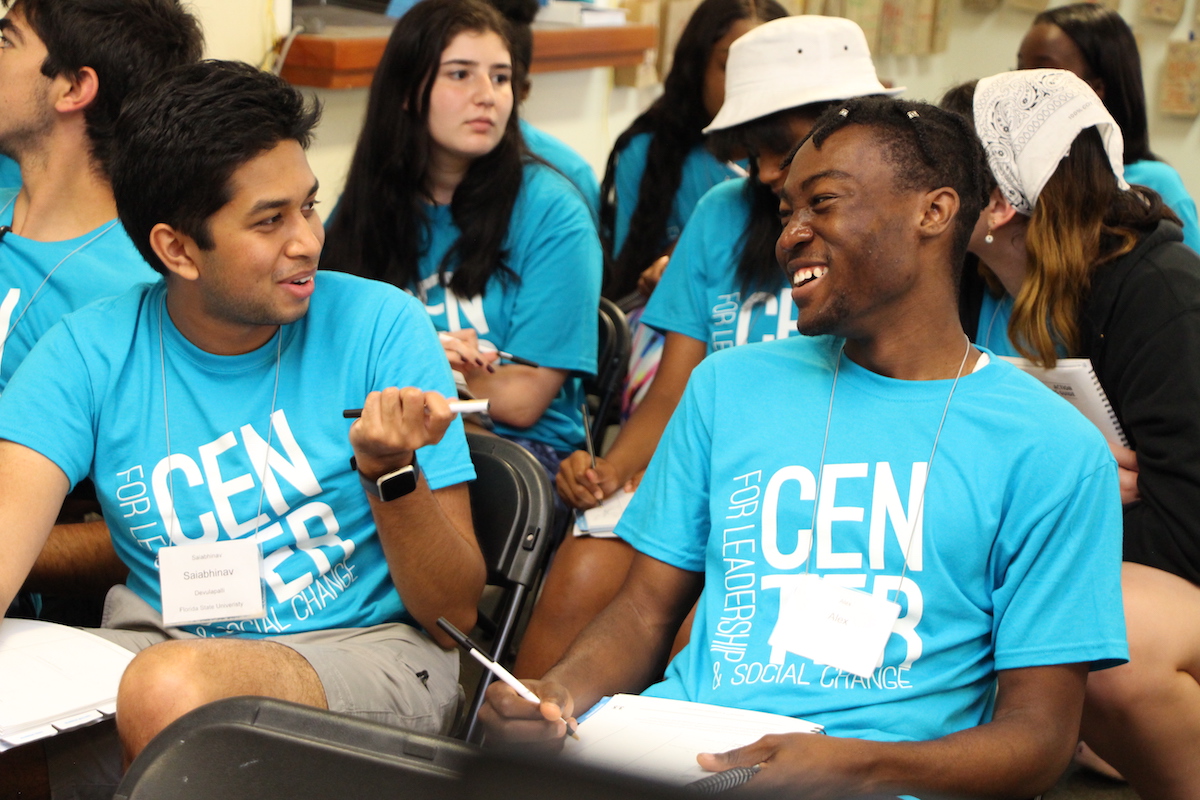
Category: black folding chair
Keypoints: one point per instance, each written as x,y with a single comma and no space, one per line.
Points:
249,748
612,362
512,504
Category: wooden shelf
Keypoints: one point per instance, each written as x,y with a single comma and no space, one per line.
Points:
346,58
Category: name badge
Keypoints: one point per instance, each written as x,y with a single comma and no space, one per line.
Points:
830,624
210,582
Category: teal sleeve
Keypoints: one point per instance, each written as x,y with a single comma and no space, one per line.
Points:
668,518
49,405
1061,565
703,266
411,349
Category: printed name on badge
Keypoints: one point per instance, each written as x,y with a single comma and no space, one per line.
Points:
830,624
210,582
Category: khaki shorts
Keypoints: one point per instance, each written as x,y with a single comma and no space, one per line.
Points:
392,674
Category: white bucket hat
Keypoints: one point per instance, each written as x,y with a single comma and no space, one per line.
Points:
793,61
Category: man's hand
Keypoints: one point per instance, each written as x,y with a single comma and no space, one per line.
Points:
582,486
394,424
651,275
1127,473
463,353
805,764
509,717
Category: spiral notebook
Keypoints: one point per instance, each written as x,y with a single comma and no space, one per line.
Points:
659,738
1074,380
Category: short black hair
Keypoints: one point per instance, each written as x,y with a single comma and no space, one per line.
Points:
129,43
180,139
927,147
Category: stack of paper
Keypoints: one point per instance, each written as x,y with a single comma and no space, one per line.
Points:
602,520
660,739
54,678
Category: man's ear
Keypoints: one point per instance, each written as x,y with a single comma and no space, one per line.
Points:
998,212
941,206
176,250
78,92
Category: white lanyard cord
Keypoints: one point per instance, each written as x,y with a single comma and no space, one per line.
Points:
916,517
46,279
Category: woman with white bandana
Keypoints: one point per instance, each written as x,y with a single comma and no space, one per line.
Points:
1078,263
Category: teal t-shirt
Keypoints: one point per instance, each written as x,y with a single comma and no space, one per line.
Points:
700,293
1162,178
10,173
90,397
563,158
42,281
549,314
701,172
1013,556
992,333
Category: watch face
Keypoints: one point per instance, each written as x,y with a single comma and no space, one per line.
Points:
398,483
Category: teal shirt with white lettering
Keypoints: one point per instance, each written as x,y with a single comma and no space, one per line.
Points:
186,467
701,295
1011,560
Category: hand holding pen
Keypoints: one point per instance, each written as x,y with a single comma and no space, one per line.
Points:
515,695
464,348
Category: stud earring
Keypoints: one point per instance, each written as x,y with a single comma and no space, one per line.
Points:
989,238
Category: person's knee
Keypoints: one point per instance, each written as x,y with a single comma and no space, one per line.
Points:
161,684
1146,681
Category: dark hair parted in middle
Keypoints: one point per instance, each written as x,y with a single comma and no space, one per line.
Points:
129,43
180,139
676,121
1111,52
926,146
380,226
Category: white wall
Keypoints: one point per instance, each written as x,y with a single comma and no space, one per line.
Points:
583,108
242,30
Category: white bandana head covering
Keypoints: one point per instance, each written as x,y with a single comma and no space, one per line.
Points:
1027,121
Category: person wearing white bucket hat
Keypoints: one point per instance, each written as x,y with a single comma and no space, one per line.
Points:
1083,265
795,62
722,288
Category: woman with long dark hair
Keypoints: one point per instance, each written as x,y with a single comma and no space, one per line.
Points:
443,200
724,288
1096,44
1096,268
659,167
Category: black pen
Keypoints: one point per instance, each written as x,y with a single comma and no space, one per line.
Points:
496,669
484,346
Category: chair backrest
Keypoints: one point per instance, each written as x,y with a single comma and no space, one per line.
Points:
247,748
512,504
612,362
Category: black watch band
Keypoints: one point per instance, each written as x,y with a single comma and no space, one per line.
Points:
393,485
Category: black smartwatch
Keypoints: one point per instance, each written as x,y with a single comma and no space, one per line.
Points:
393,485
